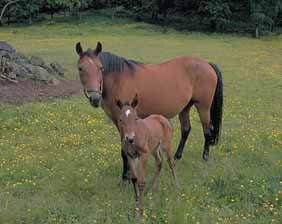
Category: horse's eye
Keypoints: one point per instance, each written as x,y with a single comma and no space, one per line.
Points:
102,69
80,69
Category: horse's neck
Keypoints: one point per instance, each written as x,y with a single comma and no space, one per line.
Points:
115,88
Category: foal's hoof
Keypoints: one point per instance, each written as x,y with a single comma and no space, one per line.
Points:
205,155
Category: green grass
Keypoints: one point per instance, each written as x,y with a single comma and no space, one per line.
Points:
60,161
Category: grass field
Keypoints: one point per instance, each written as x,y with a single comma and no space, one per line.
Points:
60,161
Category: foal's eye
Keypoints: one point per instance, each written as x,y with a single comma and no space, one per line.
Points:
80,69
102,69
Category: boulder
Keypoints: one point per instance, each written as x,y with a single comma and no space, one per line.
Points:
34,60
40,74
15,65
48,69
54,82
12,76
5,54
4,46
58,68
17,69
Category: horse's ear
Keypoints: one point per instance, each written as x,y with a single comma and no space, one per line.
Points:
134,102
78,49
119,104
98,49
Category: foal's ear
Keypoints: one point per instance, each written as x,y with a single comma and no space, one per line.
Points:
134,102
98,49
119,104
78,49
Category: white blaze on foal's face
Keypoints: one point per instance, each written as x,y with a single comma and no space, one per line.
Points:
127,112
128,122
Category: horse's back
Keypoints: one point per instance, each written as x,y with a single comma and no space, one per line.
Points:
168,87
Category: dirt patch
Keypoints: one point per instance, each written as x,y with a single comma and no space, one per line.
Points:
29,91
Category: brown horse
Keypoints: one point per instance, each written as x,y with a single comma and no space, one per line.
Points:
140,138
170,88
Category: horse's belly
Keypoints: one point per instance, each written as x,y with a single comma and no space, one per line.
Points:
161,106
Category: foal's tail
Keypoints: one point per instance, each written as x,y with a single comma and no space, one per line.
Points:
217,106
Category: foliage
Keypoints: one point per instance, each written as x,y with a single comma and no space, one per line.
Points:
213,15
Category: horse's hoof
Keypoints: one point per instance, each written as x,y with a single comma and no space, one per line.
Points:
123,183
206,156
177,156
125,179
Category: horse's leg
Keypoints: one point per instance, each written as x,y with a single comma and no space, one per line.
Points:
185,129
204,113
125,172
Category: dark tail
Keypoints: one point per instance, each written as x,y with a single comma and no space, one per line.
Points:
217,106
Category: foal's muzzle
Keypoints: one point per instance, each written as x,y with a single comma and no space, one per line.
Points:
130,140
94,97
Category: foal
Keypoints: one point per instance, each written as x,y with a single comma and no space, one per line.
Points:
140,137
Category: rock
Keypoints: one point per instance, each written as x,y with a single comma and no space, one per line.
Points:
48,69
15,65
40,74
21,56
21,61
54,82
4,46
29,67
12,76
5,54
58,68
17,69
34,60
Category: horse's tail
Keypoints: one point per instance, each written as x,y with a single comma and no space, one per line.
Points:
217,106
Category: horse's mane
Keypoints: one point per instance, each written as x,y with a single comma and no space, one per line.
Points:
115,63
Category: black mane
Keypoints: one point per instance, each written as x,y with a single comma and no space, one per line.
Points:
114,63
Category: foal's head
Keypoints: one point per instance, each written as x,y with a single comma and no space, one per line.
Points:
90,73
128,120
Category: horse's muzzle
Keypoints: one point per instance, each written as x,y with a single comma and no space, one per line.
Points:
95,99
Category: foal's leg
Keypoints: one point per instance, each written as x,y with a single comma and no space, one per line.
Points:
158,166
141,178
171,162
204,113
185,129
134,179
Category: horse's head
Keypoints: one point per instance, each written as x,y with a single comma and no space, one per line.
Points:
90,73
127,121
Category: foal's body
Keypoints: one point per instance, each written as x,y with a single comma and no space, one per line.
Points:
142,137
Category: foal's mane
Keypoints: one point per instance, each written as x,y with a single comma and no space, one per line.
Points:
115,63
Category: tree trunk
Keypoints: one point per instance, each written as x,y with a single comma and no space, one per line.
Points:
256,34
9,16
4,9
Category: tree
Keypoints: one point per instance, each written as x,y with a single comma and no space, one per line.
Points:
5,8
